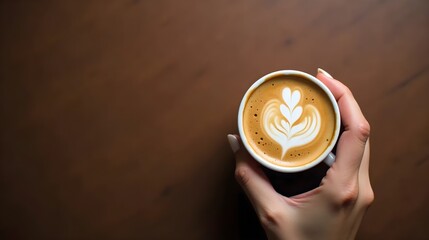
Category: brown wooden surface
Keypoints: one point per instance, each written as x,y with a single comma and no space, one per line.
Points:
114,114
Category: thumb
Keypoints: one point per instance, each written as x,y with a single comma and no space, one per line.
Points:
252,179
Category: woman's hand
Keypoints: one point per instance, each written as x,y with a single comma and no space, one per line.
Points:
335,209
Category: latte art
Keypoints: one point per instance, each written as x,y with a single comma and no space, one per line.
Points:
288,121
284,122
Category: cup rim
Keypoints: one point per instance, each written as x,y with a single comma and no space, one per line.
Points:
260,159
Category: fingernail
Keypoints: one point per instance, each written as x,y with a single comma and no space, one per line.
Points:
233,142
324,72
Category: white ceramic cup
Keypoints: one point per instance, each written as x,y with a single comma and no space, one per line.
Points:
327,156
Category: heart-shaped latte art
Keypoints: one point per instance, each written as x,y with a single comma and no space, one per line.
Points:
280,121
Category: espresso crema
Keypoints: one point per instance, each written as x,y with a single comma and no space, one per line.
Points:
289,120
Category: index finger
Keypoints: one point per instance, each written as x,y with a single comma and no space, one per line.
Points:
351,144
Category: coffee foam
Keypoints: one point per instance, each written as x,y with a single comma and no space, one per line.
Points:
280,121
289,121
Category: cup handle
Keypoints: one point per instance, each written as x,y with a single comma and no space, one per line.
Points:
330,159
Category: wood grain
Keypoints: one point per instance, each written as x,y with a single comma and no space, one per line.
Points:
114,114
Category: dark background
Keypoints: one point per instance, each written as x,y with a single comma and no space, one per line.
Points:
114,114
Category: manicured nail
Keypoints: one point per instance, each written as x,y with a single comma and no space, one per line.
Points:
324,72
233,142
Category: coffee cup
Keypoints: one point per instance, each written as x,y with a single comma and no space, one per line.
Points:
289,121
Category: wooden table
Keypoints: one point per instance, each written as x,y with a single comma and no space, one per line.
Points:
114,114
